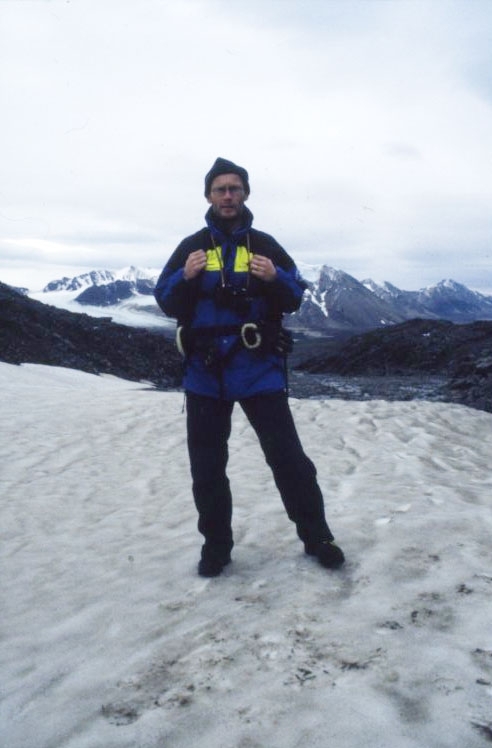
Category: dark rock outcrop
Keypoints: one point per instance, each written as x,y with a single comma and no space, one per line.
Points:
110,294
106,295
460,353
471,380
32,332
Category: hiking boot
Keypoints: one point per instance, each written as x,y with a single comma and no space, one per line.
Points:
213,561
328,553
211,567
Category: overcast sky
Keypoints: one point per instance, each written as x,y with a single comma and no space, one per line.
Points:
365,125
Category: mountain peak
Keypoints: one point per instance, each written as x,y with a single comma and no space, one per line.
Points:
334,300
93,278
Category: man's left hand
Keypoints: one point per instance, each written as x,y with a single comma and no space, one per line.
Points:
263,268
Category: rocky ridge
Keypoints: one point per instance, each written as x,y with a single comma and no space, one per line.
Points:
460,353
33,332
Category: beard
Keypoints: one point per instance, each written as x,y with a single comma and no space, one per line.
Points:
228,222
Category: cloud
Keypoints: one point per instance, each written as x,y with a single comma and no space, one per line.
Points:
117,110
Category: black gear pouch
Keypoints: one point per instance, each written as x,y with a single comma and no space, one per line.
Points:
276,339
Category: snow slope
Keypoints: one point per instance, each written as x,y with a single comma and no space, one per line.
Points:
111,640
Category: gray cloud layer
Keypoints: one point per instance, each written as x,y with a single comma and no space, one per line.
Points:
366,128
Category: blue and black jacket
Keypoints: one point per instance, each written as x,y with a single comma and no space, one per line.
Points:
213,308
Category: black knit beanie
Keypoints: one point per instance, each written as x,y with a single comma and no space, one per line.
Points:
223,166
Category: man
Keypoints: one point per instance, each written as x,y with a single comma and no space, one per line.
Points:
228,286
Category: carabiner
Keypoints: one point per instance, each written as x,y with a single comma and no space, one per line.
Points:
251,336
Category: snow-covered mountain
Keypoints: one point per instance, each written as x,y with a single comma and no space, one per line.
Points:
334,301
445,300
337,301
101,278
94,278
448,299
124,295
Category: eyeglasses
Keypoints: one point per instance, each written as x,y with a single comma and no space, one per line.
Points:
233,189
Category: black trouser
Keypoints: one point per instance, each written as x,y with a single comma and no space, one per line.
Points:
209,428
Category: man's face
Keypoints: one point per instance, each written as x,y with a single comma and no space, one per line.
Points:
227,197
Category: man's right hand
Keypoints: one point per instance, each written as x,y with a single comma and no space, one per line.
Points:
195,263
